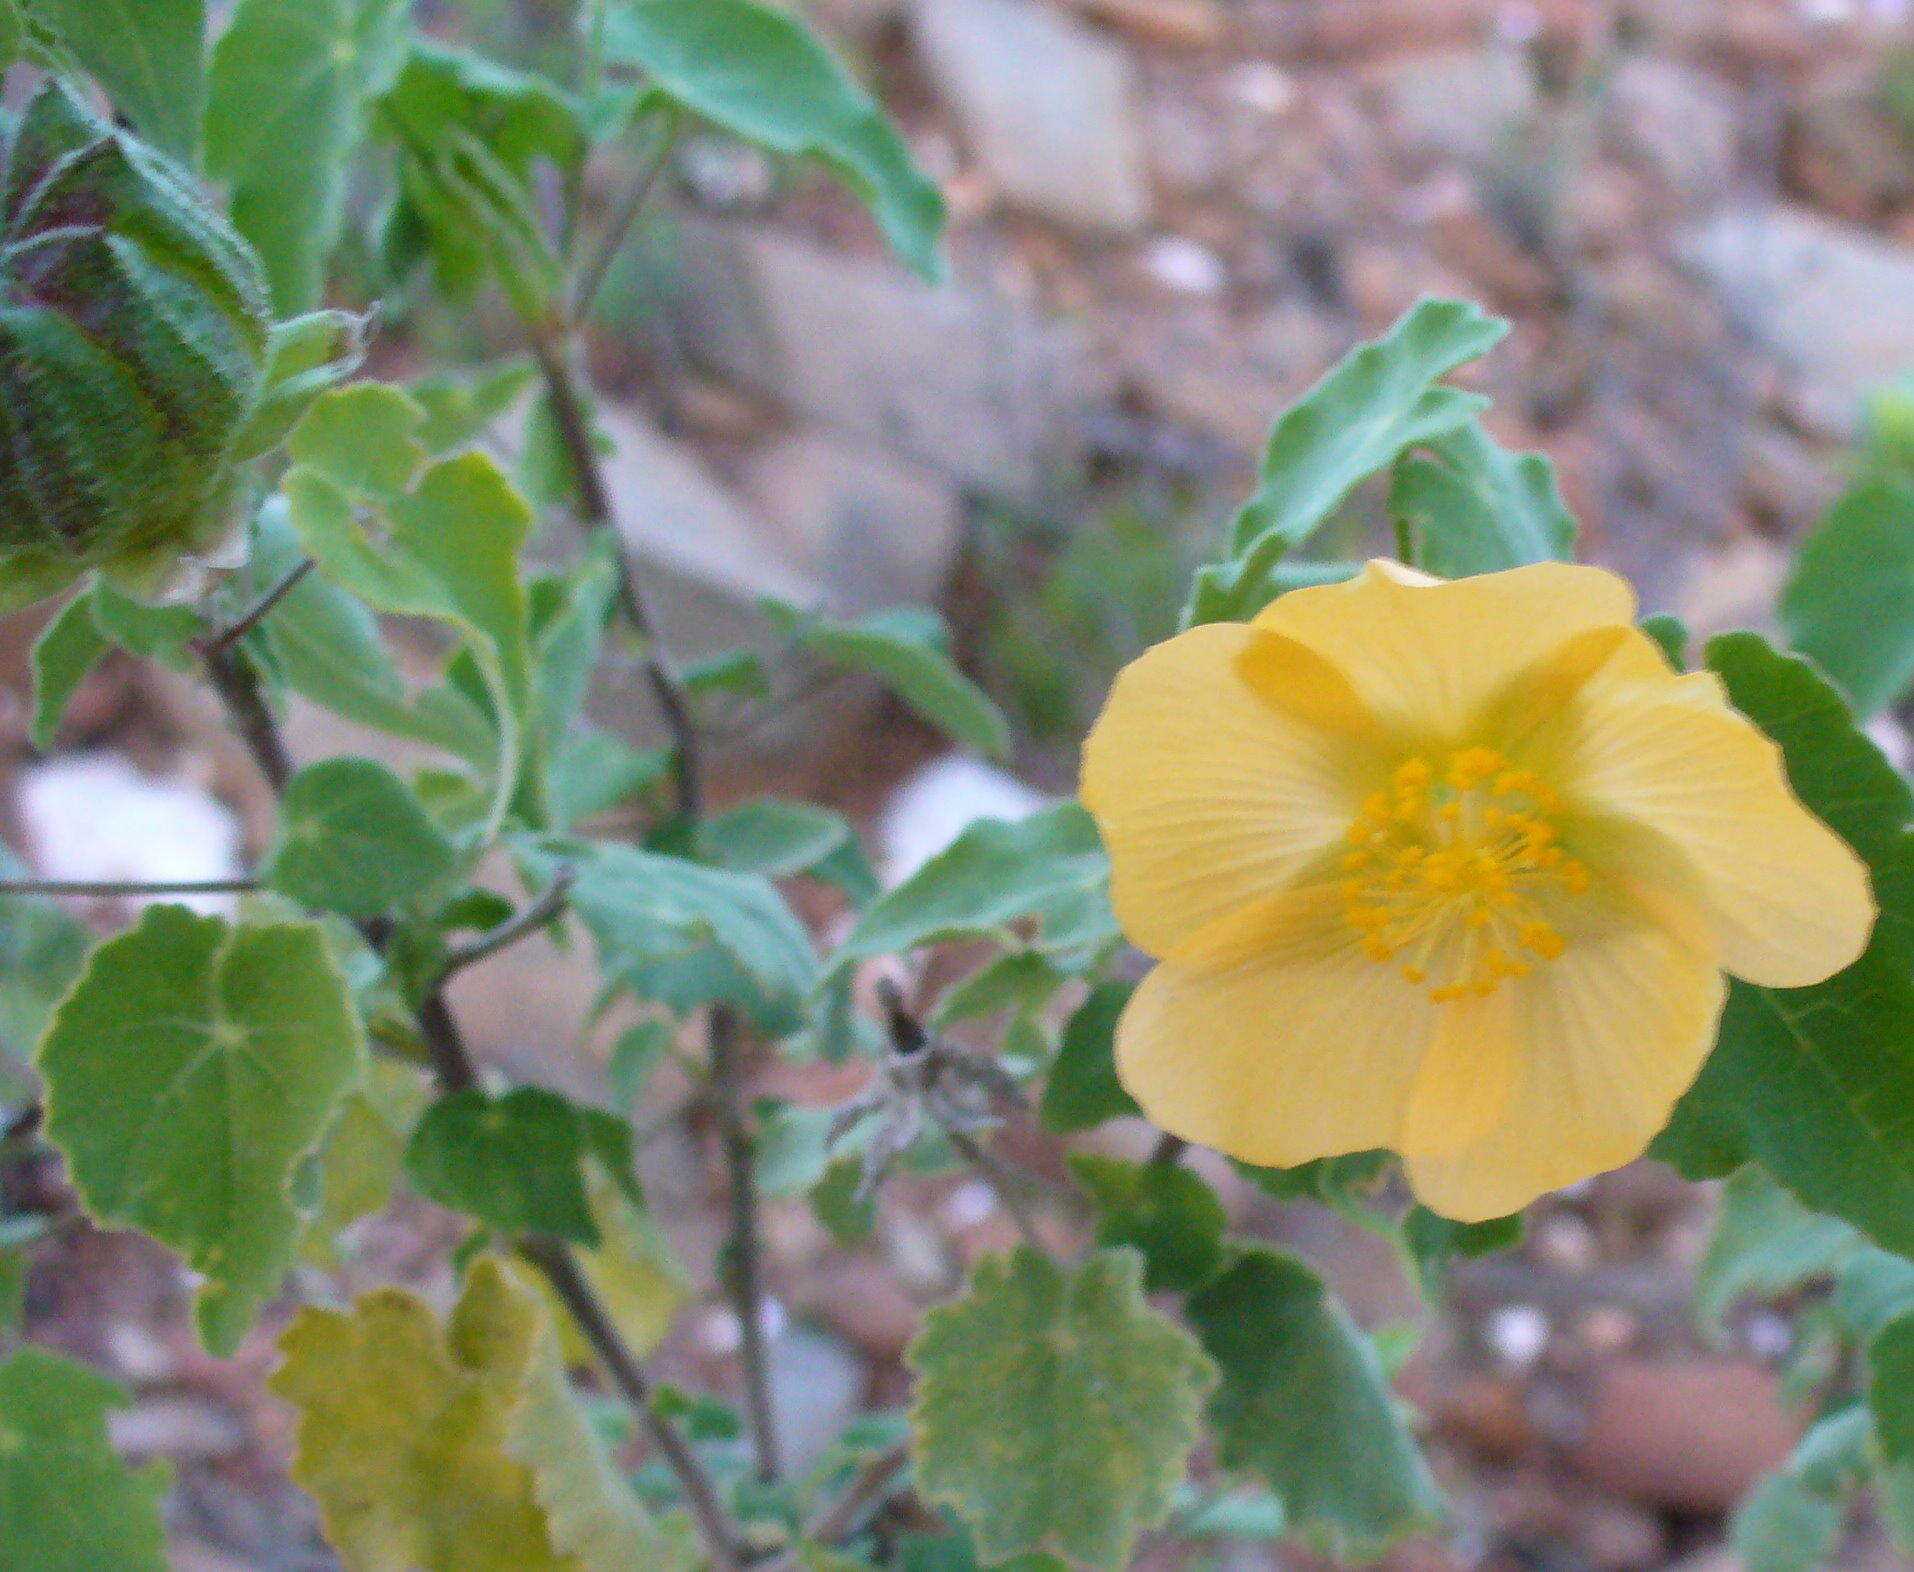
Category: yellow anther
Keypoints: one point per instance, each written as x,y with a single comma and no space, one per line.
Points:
1458,861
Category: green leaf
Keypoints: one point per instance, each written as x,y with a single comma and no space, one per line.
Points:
519,1163
775,839
1849,604
70,1504
761,74
189,1074
1055,1409
69,647
459,409
146,55
13,33
353,839
1788,1525
1817,1084
454,1448
593,771
906,648
305,357
1766,1244
1890,1401
1355,422
324,644
684,935
42,948
1049,868
1083,1089
359,1163
1434,1243
1161,1210
521,118
364,439
285,99
1304,1403
1023,981
1474,507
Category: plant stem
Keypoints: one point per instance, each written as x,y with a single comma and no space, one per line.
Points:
514,928
230,635
107,889
574,434
743,1250
559,1268
1168,1151
592,272
1405,539
238,687
873,1482
1001,1183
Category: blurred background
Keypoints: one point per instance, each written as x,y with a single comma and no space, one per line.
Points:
1169,217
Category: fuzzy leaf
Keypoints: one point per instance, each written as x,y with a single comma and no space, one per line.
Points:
455,1448
1055,1409
907,649
189,1073
353,839
760,73
1477,508
518,1163
1817,1084
1849,604
147,56
1304,1403
1049,868
67,1502
285,98
1365,412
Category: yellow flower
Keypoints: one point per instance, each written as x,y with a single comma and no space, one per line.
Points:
1448,868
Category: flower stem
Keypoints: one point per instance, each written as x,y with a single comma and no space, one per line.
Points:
108,889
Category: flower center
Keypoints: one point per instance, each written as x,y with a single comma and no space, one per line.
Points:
1448,873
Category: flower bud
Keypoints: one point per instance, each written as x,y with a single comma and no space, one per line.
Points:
133,331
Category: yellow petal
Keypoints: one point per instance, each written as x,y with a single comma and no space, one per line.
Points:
1211,795
1611,1033
1285,1044
1788,902
1429,657
1467,1075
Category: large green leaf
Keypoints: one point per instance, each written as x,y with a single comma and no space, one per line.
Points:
147,54
1083,1089
1382,400
684,935
1173,1218
1055,1409
906,648
1304,1403
520,1163
68,648
285,98
324,644
1049,868
1766,1244
760,73
189,1073
353,839
1817,1084
1474,507
67,1503
1849,604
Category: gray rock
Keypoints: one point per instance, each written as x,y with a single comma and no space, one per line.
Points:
951,377
1046,104
1677,121
1464,104
870,531
1836,302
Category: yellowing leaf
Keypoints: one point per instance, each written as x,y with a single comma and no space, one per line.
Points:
456,1448
1055,1409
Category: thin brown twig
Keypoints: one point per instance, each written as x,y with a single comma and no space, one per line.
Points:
837,1522
238,686
595,505
1002,1185
592,273
518,926
260,609
109,889
743,1250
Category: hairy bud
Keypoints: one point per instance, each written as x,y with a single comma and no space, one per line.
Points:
133,333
